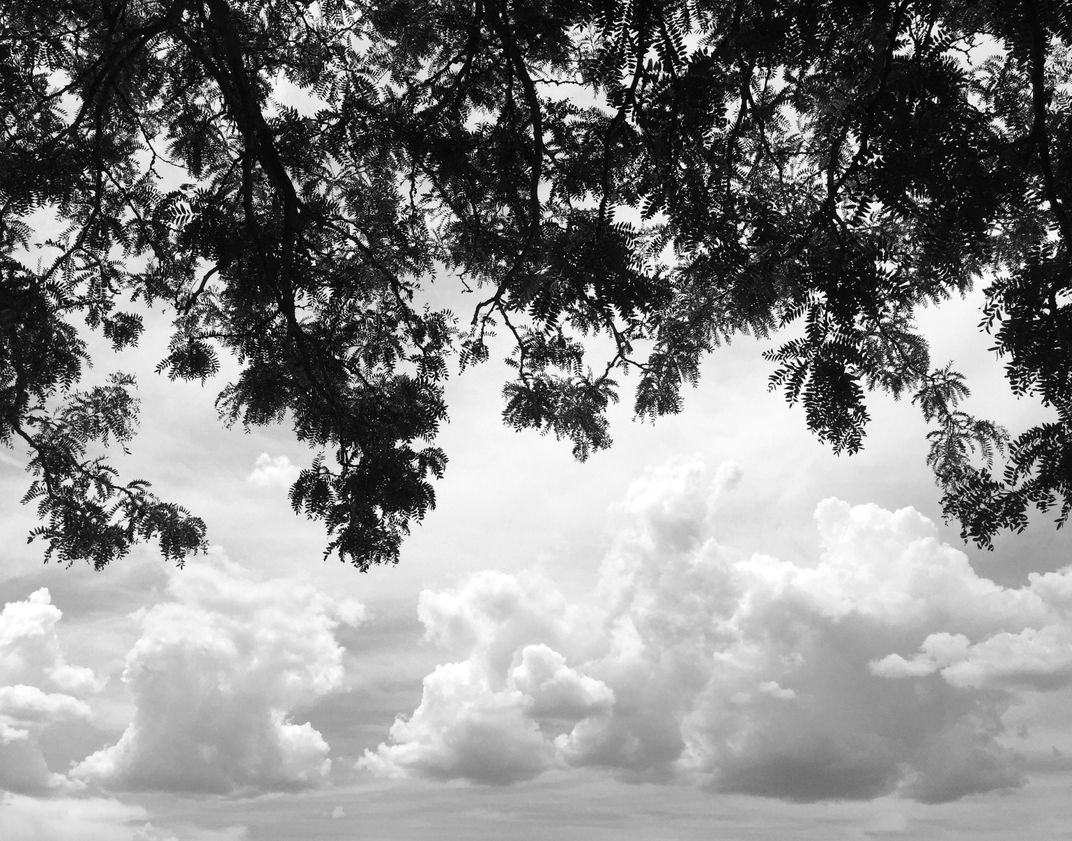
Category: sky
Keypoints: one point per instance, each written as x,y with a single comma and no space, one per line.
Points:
717,629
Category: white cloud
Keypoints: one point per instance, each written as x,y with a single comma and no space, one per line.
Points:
494,717
93,819
771,687
494,613
557,692
742,673
35,682
30,704
273,472
1032,658
213,677
466,728
87,819
30,647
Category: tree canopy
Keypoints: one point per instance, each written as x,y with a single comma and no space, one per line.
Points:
661,174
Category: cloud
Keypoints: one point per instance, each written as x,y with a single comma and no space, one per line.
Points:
22,703
466,728
93,819
493,717
557,692
36,686
1033,658
148,832
30,647
741,673
213,677
88,819
273,472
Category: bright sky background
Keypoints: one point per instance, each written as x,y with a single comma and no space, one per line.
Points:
715,630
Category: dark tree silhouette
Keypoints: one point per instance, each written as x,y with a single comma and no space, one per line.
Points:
663,173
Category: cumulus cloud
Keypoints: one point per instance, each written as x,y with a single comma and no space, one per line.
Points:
557,692
213,678
493,717
886,665
466,728
31,705
273,472
1036,655
38,688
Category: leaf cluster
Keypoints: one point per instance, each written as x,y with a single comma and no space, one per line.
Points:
621,185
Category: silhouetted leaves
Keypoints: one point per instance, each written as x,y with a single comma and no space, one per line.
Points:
623,186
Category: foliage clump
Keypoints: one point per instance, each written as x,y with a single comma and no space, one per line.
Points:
665,174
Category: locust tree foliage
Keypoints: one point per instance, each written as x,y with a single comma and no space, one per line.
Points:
650,176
